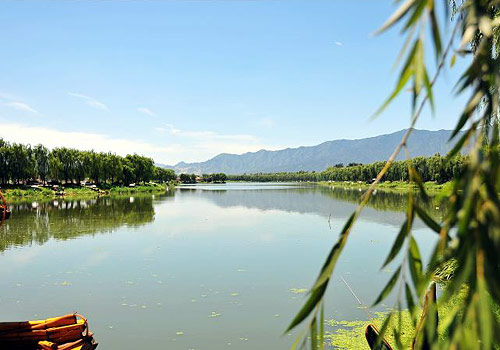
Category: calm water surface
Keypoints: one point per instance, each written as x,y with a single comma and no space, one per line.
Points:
207,267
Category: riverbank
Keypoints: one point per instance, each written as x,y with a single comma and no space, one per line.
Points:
75,192
430,187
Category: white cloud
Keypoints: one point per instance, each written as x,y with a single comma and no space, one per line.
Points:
338,43
176,145
201,145
207,135
21,106
92,102
266,123
52,138
16,103
146,111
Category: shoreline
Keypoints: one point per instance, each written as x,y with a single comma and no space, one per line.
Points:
395,186
79,192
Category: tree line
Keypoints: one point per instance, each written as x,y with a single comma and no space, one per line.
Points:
20,163
193,178
435,168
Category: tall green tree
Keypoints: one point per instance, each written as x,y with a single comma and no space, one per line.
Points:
41,155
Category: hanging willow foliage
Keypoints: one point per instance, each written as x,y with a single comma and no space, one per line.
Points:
469,234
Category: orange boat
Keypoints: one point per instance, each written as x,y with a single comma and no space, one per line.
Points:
4,212
69,332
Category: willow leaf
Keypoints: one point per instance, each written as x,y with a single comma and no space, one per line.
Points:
396,16
453,60
313,300
436,35
322,327
471,106
422,214
415,263
314,334
409,298
388,287
398,243
460,143
485,318
428,88
406,73
331,260
418,180
296,341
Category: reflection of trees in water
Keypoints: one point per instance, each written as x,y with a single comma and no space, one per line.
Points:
384,200
337,203
37,222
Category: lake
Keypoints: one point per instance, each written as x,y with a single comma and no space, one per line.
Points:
204,267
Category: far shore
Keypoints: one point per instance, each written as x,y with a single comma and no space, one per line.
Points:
431,187
396,186
20,192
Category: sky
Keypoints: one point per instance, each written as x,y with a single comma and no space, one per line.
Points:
187,80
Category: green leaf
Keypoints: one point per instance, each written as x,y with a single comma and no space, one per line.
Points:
428,88
396,16
409,298
471,106
398,243
331,260
417,13
418,180
296,341
383,330
406,73
314,334
453,60
436,35
314,298
460,143
388,287
415,263
433,225
486,319
322,327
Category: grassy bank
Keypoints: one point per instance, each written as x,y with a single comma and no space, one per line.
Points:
23,192
430,187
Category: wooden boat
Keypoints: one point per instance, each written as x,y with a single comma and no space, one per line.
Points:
420,340
4,213
371,335
69,332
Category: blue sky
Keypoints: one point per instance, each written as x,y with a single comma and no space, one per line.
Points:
187,80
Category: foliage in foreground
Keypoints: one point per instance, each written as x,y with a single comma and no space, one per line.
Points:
469,233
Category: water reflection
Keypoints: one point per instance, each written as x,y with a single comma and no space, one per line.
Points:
328,202
173,263
36,222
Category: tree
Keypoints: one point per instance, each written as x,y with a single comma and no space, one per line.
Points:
41,155
187,178
95,164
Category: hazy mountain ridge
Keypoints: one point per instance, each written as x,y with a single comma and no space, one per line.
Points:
319,157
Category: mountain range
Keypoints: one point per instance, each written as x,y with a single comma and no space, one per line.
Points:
319,157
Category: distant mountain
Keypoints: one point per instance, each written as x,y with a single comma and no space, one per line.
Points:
318,158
